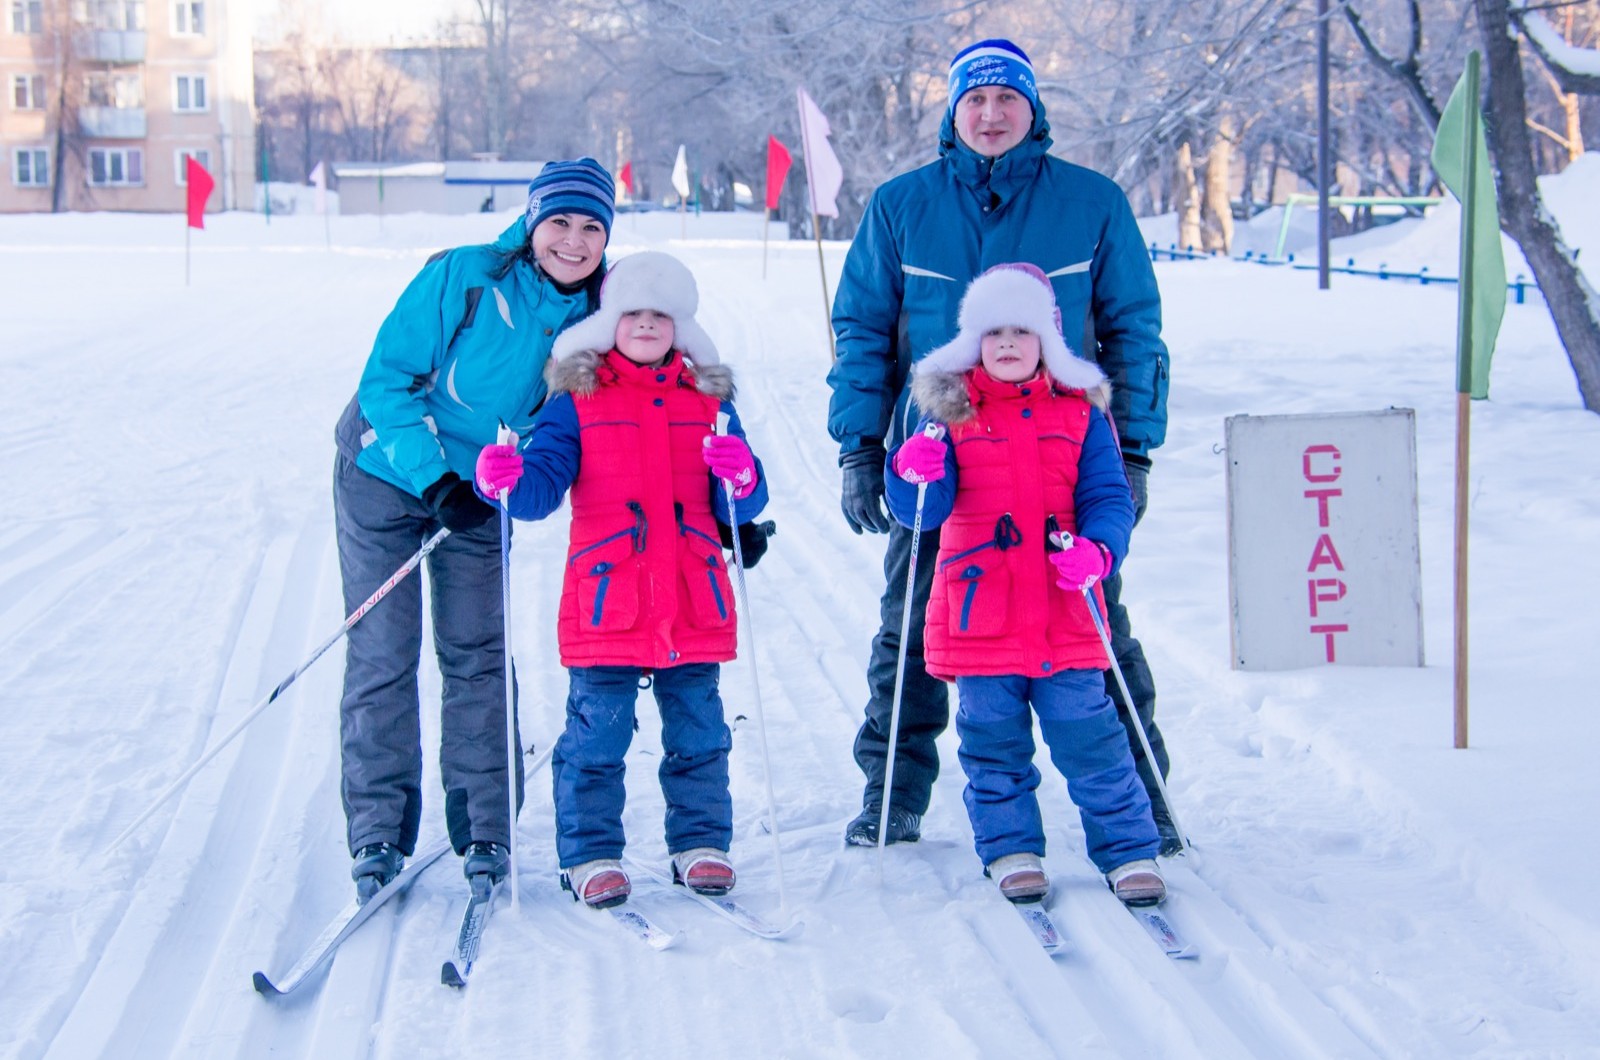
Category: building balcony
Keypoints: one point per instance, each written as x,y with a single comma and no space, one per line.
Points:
111,45
112,123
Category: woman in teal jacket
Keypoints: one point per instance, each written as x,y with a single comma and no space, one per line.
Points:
994,195
462,351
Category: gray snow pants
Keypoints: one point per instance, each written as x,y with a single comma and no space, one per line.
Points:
925,701
379,527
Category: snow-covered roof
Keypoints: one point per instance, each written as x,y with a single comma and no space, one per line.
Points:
392,171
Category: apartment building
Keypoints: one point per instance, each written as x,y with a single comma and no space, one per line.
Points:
106,99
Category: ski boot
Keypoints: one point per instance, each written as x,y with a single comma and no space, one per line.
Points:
375,865
1137,883
485,864
904,827
1020,878
704,870
598,884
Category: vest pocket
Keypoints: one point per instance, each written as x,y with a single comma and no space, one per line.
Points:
703,583
978,596
608,585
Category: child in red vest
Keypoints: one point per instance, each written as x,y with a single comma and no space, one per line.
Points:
1031,453
631,430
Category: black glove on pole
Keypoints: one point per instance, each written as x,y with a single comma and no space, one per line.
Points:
752,539
455,504
862,495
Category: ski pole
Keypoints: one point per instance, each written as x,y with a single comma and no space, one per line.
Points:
506,436
932,430
355,616
755,677
1063,540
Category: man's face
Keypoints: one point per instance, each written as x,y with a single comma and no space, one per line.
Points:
992,119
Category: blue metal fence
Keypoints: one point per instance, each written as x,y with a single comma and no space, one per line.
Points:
1172,252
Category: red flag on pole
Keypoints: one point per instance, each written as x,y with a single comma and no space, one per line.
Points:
200,185
777,170
625,177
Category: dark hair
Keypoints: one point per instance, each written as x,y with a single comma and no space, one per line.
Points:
524,253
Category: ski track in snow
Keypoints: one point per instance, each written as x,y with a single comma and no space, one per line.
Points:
148,952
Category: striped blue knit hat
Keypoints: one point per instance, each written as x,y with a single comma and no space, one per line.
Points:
992,62
581,186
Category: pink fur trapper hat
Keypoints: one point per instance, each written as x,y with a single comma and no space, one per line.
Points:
1015,295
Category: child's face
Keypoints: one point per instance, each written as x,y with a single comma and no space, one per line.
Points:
644,336
1010,354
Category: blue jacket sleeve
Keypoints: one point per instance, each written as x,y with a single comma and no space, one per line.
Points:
1127,324
550,461
749,507
901,495
1102,498
866,320
407,352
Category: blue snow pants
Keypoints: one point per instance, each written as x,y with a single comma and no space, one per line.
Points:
379,527
588,761
1087,744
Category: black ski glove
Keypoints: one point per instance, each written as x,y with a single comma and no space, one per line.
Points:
862,499
752,540
456,505
1138,469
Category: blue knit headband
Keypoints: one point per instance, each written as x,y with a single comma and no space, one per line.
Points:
581,186
992,62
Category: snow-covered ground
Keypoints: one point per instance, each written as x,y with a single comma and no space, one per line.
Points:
166,557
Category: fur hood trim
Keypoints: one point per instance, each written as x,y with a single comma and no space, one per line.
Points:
944,396
579,375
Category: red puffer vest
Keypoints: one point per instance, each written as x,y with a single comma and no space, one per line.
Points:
645,581
995,607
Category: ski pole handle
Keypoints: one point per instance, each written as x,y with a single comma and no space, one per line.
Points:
505,436
1061,540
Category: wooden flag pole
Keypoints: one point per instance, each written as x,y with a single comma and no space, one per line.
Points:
1463,451
827,303
1464,354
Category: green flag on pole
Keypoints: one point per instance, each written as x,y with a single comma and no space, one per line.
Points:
1461,158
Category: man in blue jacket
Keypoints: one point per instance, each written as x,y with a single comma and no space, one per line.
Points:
994,195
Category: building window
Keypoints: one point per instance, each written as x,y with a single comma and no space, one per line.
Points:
27,91
199,154
189,18
124,91
189,93
30,167
114,167
113,14
27,16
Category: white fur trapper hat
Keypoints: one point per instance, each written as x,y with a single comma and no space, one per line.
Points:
1016,295
646,280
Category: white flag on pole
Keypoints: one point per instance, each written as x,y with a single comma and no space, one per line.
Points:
319,179
824,175
680,175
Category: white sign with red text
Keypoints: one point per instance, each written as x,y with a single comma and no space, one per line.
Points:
1323,562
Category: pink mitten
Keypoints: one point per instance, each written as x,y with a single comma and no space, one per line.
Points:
729,459
499,468
1081,564
921,459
